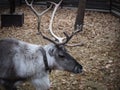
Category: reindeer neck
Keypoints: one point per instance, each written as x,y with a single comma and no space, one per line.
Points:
49,58
47,68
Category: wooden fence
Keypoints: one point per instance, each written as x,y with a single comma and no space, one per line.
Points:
112,6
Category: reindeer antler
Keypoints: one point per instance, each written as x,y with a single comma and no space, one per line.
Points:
39,15
68,37
60,40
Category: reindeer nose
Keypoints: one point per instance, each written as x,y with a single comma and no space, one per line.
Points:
78,69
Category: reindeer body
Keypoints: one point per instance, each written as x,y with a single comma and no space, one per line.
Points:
20,60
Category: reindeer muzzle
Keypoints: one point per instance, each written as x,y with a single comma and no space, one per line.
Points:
78,69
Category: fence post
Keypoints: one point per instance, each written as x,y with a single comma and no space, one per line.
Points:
80,14
12,6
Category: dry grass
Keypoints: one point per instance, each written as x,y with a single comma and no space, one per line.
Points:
99,56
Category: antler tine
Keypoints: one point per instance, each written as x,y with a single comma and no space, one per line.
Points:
44,36
31,6
74,45
68,37
60,40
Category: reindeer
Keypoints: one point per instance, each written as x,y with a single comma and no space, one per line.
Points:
21,61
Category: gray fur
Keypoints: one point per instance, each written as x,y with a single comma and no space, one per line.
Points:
21,61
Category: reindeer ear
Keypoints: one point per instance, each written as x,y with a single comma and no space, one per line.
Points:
51,52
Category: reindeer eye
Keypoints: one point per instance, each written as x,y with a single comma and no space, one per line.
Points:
61,55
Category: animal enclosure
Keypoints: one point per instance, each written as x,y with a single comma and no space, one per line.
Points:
99,55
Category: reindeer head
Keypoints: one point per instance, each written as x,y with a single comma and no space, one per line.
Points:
60,59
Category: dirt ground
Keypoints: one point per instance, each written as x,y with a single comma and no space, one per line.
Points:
100,54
